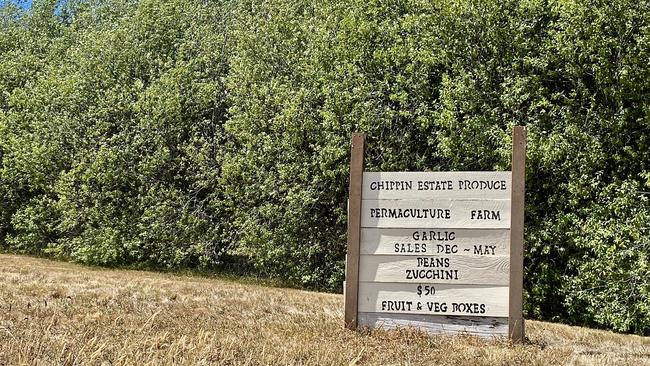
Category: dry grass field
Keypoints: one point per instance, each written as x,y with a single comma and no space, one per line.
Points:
54,313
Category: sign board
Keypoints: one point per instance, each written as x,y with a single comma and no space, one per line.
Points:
439,251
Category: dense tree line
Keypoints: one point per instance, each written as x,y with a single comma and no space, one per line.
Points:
181,133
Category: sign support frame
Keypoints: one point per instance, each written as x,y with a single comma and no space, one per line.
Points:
357,157
515,317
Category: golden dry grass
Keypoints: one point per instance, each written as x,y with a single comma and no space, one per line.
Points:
54,313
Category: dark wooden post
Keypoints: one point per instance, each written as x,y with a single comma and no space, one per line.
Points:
354,230
515,318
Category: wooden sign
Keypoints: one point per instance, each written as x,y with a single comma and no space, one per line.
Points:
439,251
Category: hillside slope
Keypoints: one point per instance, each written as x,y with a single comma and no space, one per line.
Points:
59,313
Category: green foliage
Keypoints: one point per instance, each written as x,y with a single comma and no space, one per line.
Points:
110,155
181,133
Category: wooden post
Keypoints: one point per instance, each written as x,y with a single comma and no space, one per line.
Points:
354,230
515,318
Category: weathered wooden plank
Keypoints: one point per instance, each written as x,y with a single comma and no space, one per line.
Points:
354,230
469,214
438,324
516,319
436,185
406,241
427,298
456,269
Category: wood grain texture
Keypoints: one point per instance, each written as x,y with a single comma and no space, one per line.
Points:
446,299
354,231
437,324
398,241
461,214
516,320
483,270
435,185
